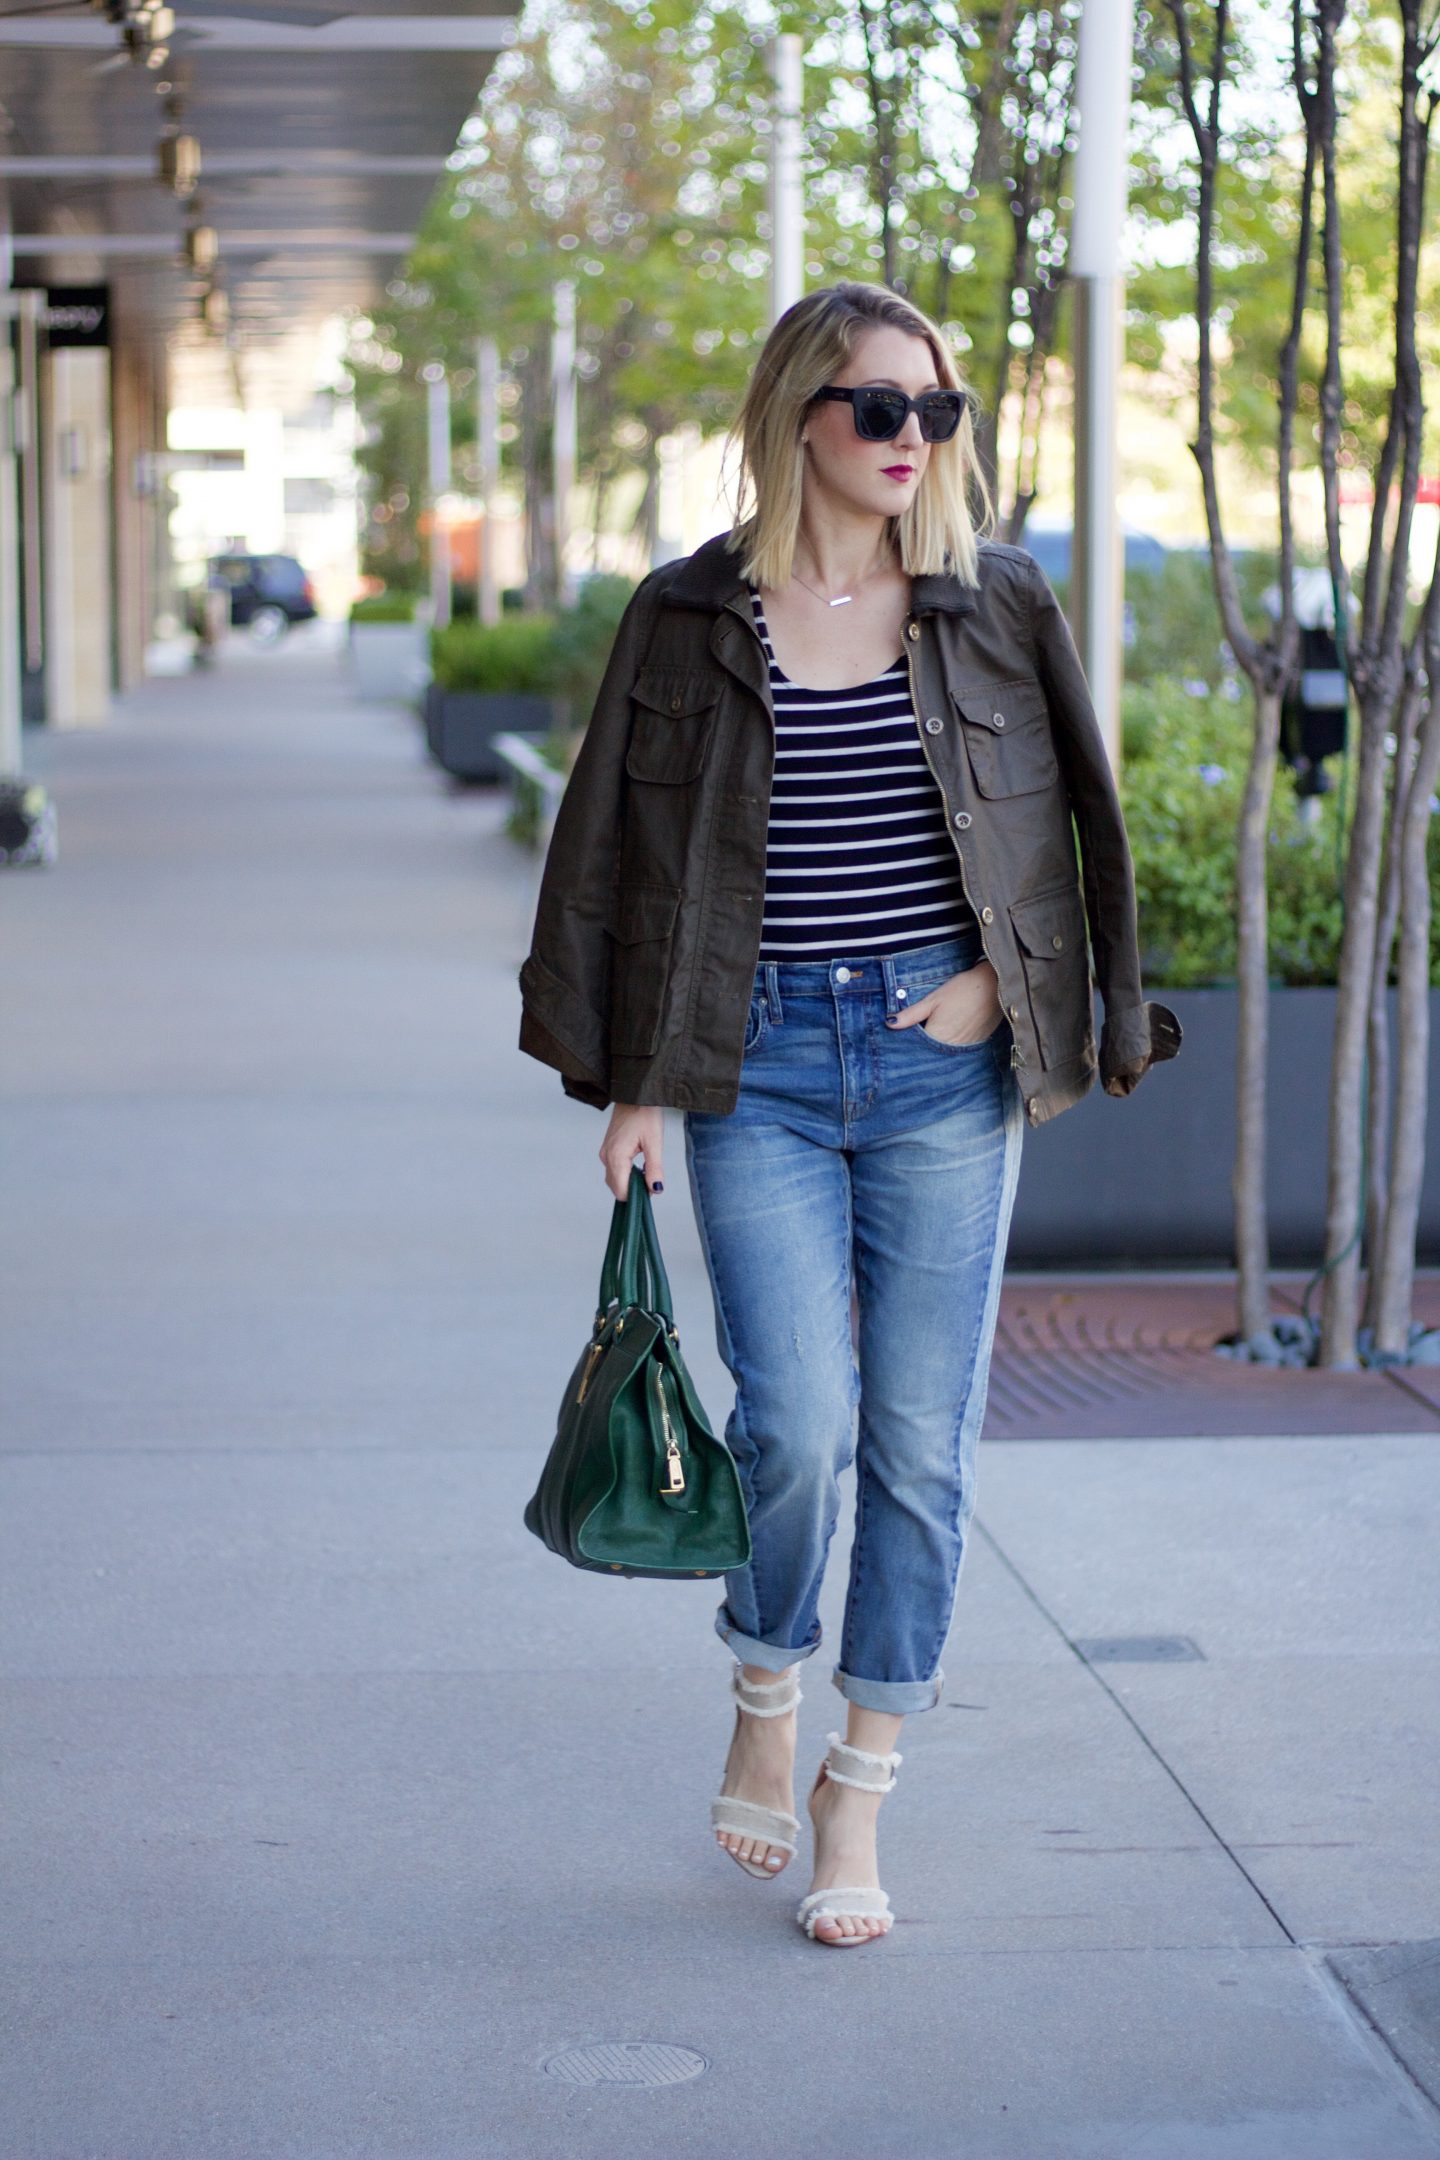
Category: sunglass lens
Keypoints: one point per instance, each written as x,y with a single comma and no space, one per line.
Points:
879,414
940,415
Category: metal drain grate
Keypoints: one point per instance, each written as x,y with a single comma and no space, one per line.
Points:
626,2062
1137,1649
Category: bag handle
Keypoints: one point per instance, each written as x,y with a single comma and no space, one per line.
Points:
633,1270
610,1270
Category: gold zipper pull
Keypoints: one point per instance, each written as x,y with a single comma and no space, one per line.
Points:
675,1469
595,1351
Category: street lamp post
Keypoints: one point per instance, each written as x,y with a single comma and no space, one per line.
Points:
563,385
787,202
1097,570
437,415
487,421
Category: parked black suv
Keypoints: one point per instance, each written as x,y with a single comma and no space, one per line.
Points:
267,592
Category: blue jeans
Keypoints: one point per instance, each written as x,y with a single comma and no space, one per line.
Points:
853,1139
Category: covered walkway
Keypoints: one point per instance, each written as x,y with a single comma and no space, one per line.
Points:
337,1814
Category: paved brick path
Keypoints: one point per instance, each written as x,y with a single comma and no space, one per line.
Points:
1130,1356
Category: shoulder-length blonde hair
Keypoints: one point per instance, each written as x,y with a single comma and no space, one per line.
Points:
810,343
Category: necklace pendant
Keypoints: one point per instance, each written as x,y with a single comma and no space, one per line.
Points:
843,601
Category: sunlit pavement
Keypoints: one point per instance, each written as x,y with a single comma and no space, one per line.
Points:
339,1815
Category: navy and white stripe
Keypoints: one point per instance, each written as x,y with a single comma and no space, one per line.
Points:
858,856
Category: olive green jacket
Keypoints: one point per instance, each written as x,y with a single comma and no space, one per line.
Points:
647,930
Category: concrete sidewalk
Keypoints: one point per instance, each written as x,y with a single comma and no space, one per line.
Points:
338,1815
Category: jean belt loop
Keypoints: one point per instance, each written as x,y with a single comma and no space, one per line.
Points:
772,991
887,973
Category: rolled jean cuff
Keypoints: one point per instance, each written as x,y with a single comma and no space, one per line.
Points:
897,1698
751,1652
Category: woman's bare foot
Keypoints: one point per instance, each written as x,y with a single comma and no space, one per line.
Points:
760,1766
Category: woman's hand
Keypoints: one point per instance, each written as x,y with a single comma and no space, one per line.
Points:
634,1129
965,1008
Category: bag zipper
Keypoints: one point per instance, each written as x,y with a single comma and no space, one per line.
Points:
674,1467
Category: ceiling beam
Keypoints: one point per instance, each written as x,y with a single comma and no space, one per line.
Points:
231,243
408,34
283,163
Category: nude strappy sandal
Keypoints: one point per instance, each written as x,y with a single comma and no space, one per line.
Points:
847,1765
748,1818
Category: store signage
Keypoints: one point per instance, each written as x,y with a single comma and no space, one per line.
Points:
77,315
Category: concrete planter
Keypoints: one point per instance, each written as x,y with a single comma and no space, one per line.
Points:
1147,1177
388,660
461,726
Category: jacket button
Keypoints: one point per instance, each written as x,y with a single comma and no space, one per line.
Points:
912,631
997,719
933,727
675,703
1033,1106
1014,1012
987,914
1058,943
963,820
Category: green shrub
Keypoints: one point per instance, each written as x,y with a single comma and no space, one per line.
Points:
1183,775
584,635
1176,619
385,608
515,654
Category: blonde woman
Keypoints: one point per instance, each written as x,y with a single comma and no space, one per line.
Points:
813,882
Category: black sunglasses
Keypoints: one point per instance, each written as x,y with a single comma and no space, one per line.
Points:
880,414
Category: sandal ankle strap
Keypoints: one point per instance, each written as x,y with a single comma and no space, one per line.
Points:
848,1765
755,1696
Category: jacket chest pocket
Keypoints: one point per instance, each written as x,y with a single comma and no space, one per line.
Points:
1006,731
642,931
674,715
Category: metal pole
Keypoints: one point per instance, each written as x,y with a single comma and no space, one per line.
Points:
563,386
787,202
437,415
1097,569
10,735
487,421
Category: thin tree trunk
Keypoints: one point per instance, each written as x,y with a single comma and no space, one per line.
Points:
1392,1265
1378,1107
1378,675
1396,1269
1248,1185
540,583
1267,665
884,118
1344,1194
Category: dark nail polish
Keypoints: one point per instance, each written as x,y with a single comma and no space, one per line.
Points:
657,1186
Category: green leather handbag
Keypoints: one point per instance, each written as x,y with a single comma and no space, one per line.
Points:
636,1483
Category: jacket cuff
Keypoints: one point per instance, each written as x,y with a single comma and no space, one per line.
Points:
551,1006
1134,1040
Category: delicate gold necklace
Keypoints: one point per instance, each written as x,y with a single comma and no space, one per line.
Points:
843,601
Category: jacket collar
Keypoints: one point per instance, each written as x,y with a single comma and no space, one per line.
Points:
710,578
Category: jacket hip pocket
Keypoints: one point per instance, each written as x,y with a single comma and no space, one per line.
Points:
642,935
1050,932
